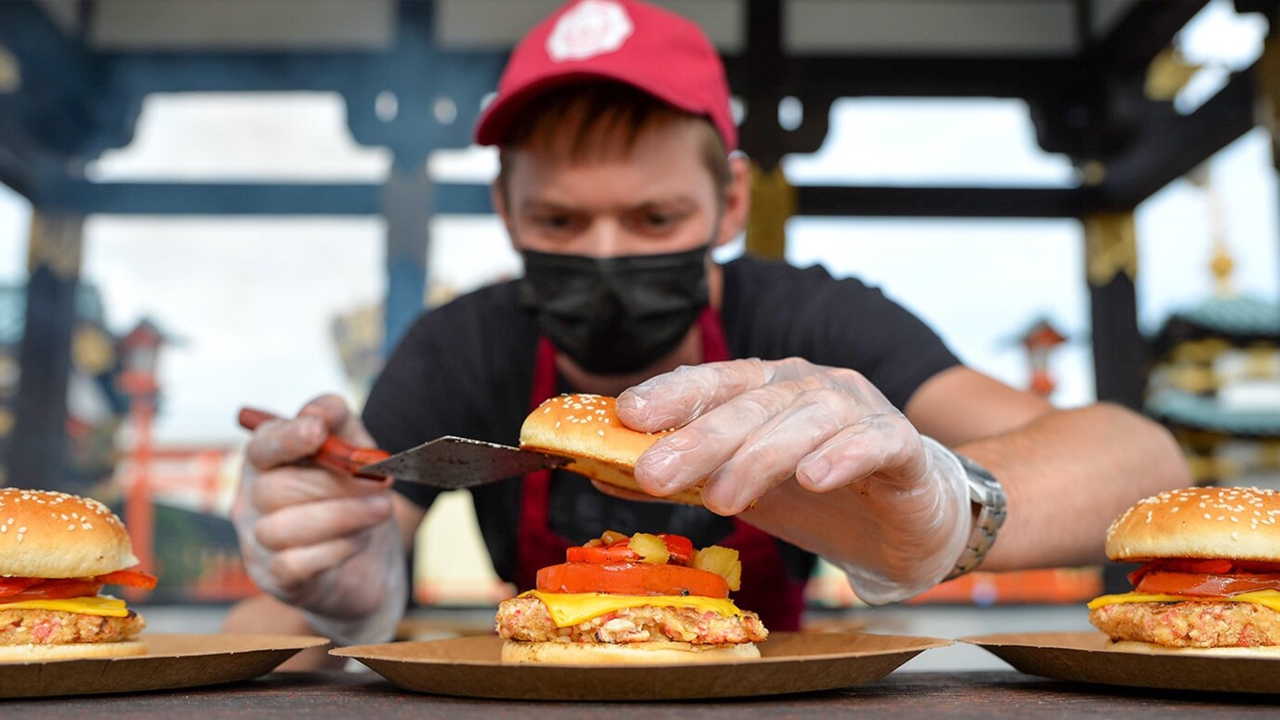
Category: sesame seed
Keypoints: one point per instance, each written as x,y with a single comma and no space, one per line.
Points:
1207,516
601,433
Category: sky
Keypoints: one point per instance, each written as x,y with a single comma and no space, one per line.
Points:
249,300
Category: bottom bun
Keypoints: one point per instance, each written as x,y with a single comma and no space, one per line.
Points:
644,653
71,651
1137,646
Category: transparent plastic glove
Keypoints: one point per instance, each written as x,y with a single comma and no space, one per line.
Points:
323,542
813,455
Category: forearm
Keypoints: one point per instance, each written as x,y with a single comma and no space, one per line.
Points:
1067,475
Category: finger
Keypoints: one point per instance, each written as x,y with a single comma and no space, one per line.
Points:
771,452
689,455
296,567
884,445
281,442
295,485
678,397
338,418
318,522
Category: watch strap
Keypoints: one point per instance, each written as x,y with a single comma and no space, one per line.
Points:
987,495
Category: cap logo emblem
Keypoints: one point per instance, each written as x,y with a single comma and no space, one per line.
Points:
588,29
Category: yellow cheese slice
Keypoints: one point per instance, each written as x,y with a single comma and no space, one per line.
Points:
103,606
1266,598
568,609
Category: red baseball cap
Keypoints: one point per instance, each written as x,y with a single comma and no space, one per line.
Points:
631,42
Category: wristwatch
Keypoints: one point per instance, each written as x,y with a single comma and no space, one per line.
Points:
985,493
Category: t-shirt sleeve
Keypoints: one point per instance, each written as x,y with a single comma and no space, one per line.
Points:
775,311
450,375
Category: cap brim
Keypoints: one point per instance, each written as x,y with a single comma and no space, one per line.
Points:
496,119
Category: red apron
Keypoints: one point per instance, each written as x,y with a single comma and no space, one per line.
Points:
767,588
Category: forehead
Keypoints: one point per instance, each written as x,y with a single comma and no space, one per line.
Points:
661,157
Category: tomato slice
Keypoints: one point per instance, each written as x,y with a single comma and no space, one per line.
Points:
1200,566
131,578
56,590
615,553
631,579
16,589
12,585
1159,582
679,548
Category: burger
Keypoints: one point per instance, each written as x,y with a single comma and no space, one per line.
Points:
618,598
1210,574
586,428
643,599
56,553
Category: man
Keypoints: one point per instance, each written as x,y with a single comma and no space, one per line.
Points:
818,412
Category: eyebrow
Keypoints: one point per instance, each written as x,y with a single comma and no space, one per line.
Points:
679,202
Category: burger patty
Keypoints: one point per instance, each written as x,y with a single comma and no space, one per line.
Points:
526,619
1190,624
55,627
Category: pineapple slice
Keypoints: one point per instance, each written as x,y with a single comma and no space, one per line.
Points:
650,548
722,561
611,536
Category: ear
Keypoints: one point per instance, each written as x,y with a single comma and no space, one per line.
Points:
737,200
498,198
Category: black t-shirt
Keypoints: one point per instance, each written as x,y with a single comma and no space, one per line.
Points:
466,369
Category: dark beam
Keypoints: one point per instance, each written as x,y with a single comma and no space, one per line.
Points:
407,207
248,198
1146,30
760,135
894,76
1119,349
1170,144
451,199
833,201
38,447
58,100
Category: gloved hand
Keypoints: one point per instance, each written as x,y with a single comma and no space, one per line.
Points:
320,541
813,455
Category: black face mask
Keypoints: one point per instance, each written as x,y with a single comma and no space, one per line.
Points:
615,315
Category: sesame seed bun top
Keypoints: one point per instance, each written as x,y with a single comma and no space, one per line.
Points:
1233,523
56,535
587,428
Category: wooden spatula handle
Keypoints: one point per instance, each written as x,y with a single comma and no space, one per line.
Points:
335,454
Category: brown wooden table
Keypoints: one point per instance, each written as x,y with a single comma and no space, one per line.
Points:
934,696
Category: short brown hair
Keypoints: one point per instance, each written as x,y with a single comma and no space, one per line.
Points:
596,110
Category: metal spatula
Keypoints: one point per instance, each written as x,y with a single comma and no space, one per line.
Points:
448,462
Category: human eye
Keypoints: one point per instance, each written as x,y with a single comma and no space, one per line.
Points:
554,222
657,221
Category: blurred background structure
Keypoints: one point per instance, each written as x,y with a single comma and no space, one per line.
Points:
284,184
